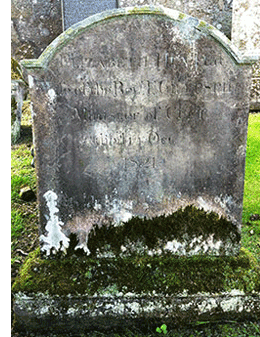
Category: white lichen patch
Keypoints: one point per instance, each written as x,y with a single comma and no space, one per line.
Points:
232,304
207,305
55,239
121,210
52,95
30,81
195,246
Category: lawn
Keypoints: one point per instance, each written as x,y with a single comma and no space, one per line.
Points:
251,205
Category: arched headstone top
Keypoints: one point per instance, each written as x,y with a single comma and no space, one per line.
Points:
117,14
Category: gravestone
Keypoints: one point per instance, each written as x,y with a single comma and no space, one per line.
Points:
74,11
18,90
216,12
139,113
246,36
35,24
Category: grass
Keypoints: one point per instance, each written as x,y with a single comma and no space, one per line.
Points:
24,215
251,205
24,230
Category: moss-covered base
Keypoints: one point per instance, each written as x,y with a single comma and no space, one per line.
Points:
142,274
86,292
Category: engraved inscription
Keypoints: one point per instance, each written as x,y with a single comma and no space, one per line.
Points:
119,89
166,59
139,115
114,139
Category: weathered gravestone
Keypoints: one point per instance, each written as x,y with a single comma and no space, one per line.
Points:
246,36
138,113
74,11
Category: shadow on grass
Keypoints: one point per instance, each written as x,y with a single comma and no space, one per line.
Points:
26,136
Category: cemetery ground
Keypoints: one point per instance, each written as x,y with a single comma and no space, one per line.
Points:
25,241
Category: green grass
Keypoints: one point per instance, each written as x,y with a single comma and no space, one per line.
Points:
24,215
251,205
22,174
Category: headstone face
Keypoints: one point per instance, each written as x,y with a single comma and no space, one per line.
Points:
137,113
77,10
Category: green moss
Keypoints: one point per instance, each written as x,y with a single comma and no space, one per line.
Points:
143,10
202,24
16,71
183,225
182,16
140,274
13,110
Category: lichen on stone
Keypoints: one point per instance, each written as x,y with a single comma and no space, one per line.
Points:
139,274
188,231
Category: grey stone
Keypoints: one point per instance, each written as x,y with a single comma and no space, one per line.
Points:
35,24
18,90
74,11
139,116
52,314
246,36
216,12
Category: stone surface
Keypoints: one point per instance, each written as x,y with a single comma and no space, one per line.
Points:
34,25
255,88
18,90
246,36
245,28
78,294
138,112
52,314
77,10
216,12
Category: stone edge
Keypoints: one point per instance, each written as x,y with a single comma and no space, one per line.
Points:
76,29
32,310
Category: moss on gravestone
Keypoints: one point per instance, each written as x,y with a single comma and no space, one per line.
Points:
166,274
184,224
16,72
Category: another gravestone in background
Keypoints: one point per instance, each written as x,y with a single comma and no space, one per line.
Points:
19,90
35,24
246,36
216,12
17,96
138,113
74,11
